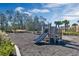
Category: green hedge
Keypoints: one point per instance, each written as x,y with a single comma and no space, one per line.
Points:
6,47
71,33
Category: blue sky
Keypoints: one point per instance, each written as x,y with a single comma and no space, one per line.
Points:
52,12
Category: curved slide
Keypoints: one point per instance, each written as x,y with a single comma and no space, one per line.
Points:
40,38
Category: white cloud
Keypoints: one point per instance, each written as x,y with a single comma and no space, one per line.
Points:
20,9
74,13
28,13
39,11
70,18
70,12
50,5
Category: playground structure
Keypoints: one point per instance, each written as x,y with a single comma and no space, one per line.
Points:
54,35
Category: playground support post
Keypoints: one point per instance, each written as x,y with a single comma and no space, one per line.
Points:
60,33
49,30
42,29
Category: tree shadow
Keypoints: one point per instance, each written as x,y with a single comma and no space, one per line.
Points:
72,45
63,43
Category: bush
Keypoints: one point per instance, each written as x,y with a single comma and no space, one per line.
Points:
71,33
6,48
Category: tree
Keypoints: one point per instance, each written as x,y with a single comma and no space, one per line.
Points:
25,20
75,24
16,20
66,22
19,19
2,21
29,23
36,23
42,20
58,23
8,14
57,29
78,21
42,23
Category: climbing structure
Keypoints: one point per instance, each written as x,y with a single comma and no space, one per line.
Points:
54,35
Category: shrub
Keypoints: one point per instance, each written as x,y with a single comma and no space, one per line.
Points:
6,48
71,33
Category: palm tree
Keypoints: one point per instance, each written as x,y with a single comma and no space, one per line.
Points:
58,23
66,22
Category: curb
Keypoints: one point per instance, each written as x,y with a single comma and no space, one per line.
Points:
17,50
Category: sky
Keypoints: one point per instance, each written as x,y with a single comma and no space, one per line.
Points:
51,11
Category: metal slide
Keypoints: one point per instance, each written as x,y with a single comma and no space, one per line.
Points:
40,38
